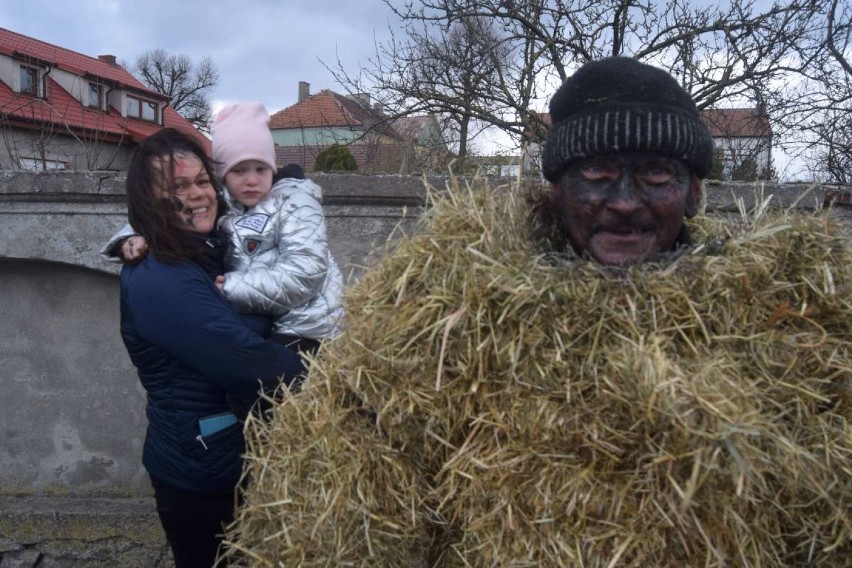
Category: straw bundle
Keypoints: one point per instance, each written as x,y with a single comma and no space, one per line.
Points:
491,405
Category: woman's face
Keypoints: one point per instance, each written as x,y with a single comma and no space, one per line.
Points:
192,193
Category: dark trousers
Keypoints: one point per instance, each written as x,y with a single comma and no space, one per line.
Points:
193,523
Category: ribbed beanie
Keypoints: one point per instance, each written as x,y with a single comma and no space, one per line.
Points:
241,132
619,105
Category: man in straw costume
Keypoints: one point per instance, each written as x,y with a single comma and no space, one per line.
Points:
580,378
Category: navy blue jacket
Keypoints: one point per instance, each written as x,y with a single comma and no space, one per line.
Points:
192,350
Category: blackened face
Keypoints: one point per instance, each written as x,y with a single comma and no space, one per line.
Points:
621,208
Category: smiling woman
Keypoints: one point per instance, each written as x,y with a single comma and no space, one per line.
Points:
195,356
185,182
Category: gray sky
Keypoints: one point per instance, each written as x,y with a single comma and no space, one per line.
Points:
262,48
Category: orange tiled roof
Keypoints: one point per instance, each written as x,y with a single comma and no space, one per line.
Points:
60,109
736,122
324,109
15,44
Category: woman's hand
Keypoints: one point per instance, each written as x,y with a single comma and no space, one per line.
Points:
220,283
133,249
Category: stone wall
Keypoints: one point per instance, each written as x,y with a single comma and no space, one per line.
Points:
73,491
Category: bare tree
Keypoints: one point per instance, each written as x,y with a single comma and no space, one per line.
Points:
451,74
826,118
780,57
445,69
186,84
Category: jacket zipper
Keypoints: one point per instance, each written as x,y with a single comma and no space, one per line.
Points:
201,439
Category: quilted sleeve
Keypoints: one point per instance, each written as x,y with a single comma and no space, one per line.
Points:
110,249
178,309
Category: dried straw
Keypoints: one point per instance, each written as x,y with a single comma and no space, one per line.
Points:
491,405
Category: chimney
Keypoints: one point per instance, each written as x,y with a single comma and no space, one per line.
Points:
362,99
304,90
108,59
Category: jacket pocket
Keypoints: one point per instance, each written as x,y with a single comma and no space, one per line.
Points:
226,440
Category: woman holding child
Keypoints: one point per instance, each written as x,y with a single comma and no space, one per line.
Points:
199,360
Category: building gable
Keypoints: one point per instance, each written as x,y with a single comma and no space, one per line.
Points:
47,90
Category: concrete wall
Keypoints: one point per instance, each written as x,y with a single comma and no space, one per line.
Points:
73,491
72,488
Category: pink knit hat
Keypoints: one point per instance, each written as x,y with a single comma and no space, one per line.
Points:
241,132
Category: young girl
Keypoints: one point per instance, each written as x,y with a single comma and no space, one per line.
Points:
278,262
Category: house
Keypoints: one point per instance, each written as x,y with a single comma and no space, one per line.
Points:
742,138
743,141
533,142
60,109
378,143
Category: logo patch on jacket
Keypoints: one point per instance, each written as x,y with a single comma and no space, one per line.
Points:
256,222
251,246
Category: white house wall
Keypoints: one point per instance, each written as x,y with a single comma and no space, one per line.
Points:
740,147
17,143
9,72
70,82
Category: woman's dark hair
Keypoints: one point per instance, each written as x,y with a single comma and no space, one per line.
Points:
156,218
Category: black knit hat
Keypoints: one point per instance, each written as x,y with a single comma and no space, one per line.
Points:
617,105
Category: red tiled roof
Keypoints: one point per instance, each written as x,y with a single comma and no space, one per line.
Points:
736,122
324,109
140,130
60,109
15,44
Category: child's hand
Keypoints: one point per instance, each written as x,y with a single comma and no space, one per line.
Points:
133,249
220,283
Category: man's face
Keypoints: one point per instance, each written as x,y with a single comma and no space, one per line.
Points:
621,208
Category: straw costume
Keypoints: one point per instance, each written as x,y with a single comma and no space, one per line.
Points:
497,401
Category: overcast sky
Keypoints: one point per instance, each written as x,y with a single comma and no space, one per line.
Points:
262,48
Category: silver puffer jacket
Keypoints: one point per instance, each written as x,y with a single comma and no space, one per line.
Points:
279,262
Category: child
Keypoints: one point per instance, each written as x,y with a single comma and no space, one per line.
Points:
278,262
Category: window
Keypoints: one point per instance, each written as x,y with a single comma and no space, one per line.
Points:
140,108
39,165
133,107
95,95
149,111
29,80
